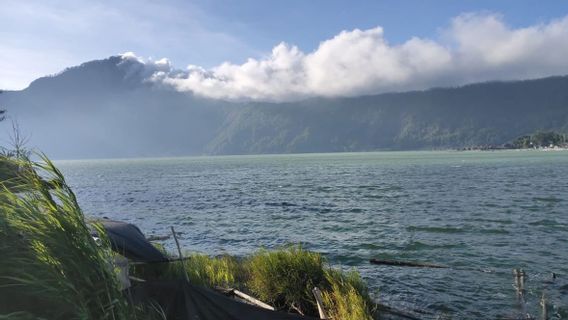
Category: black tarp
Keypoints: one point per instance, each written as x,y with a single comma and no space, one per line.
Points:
128,240
178,299
181,301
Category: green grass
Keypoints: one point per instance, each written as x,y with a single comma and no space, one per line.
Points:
223,271
51,266
10,175
347,297
283,278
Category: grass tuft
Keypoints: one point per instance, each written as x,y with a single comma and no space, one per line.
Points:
285,278
222,271
347,296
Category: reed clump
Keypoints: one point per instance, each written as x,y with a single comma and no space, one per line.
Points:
284,278
223,271
51,267
347,296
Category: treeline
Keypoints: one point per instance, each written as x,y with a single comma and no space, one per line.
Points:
484,115
541,139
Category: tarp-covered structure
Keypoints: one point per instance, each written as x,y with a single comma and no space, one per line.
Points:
178,298
129,241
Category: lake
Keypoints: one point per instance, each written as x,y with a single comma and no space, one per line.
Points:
482,213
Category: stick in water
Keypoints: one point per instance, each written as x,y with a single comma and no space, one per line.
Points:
405,264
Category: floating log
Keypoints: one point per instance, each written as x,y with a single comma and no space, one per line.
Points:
398,263
157,238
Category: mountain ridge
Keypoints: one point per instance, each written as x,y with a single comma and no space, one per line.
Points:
107,108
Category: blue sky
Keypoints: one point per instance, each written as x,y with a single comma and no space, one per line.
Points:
306,23
44,37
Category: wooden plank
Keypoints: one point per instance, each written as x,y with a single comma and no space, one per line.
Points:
252,300
136,279
317,294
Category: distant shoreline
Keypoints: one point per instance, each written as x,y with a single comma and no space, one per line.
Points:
555,148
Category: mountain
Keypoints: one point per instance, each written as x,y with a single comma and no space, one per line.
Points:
106,108
481,114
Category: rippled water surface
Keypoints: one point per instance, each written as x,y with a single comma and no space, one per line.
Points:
473,211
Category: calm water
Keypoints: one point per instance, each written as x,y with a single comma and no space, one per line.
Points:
483,210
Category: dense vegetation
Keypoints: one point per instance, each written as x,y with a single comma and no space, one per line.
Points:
284,278
52,268
481,114
66,113
541,139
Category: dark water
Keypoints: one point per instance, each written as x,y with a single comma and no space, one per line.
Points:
470,210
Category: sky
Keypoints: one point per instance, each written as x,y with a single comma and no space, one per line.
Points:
286,50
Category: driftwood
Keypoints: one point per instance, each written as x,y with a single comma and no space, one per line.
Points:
317,294
398,263
244,296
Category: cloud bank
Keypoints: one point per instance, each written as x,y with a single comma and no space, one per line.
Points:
475,47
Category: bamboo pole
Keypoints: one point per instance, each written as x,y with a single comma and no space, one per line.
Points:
180,255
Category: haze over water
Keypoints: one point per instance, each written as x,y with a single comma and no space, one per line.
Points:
491,211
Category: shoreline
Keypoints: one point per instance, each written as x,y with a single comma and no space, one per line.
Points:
543,149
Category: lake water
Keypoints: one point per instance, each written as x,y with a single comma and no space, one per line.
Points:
491,211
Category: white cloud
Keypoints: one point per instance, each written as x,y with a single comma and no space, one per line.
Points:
475,47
